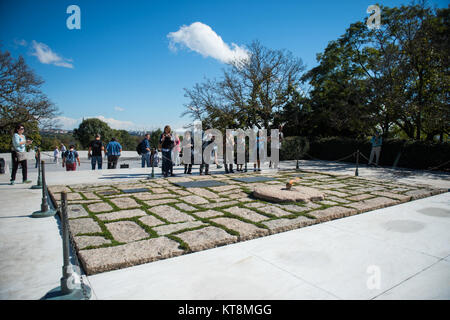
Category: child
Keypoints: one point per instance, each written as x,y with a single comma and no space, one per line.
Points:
70,158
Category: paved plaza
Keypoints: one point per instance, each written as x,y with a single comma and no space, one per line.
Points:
188,238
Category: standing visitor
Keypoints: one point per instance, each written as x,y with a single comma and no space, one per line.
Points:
166,144
70,157
214,153
95,152
36,156
260,144
144,149
229,144
113,150
205,164
241,141
188,144
56,155
176,150
18,154
277,146
63,149
376,141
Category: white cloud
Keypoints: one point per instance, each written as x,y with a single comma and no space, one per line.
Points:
47,56
200,38
71,123
117,124
119,109
68,123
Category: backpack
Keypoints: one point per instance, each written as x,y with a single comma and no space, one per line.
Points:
140,147
70,156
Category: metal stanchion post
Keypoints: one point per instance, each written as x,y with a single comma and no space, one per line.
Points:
39,178
45,210
357,163
69,289
297,166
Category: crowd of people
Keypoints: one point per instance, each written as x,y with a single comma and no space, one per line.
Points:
169,144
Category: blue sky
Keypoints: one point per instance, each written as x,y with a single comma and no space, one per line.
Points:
120,66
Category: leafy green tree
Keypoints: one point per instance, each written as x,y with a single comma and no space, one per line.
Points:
21,101
127,141
88,128
387,78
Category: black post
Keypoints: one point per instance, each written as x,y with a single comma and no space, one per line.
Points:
69,289
44,204
45,210
66,278
357,163
39,178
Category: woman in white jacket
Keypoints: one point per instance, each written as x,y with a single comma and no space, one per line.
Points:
18,154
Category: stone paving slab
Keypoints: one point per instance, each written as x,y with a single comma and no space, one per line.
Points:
332,213
126,231
87,241
161,220
171,214
83,225
246,214
246,230
99,207
219,204
171,228
206,238
122,214
151,221
281,225
194,200
153,203
134,253
76,211
208,213
274,210
373,204
125,203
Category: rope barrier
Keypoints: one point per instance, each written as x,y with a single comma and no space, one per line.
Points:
362,154
338,160
442,164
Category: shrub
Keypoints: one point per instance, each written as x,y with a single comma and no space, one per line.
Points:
294,148
407,154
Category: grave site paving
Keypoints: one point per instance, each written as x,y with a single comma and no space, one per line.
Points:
119,225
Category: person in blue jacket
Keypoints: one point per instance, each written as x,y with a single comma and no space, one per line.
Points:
113,151
376,141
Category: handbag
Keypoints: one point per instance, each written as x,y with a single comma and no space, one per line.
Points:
21,156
